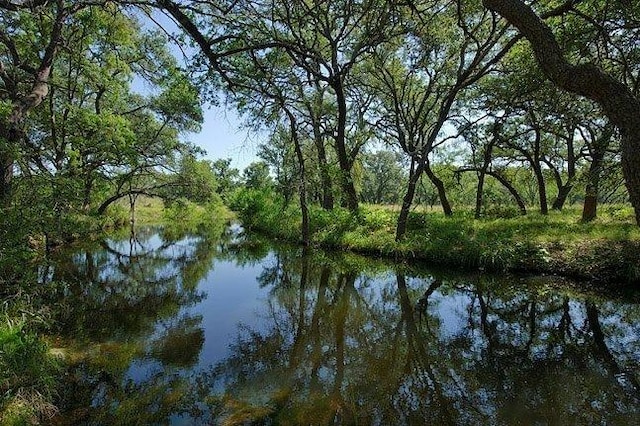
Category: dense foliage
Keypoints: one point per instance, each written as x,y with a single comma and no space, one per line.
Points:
400,103
364,100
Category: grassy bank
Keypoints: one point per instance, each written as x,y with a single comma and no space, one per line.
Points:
606,250
28,368
182,216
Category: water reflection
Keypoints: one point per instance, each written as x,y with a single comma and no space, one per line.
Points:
222,329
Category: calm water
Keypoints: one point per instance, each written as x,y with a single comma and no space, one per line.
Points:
226,329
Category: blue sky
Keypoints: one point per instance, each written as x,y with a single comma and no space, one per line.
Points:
222,136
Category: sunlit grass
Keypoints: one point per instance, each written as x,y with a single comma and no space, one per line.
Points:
607,248
148,211
180,217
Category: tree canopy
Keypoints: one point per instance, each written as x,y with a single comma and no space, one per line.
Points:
364,100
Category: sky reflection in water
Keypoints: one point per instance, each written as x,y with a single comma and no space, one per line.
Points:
169,329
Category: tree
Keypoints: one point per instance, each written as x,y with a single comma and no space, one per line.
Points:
542,125
159,121
95,140
317,109
598,147
482,140
228,178
279,154
446,51
618,101
325,42
26,60
271,102
194,181
256,175
383,177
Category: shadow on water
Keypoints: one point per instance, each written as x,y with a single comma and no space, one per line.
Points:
229,329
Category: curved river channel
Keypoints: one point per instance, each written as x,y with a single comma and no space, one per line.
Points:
232,329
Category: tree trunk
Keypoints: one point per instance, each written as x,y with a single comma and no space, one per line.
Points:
6,174
512,190
350,198
563,194
590,207
302,185
536,165
486,160
318,139
442,193
542,189
12,133
589,210
86,197
565,190
325,177
479,192
407,201
631,167
619,103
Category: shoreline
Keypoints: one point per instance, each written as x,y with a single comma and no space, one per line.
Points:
554,244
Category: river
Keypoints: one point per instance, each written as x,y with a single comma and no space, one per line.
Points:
224,328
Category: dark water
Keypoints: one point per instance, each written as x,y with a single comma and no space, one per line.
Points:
223,329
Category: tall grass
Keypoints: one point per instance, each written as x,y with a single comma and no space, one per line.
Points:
607,249
28,374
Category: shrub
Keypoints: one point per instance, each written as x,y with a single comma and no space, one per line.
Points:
378,219
255,205
329,227
501,211
264,210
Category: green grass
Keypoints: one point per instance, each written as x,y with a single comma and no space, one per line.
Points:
28,374
153,211
607,249
149,211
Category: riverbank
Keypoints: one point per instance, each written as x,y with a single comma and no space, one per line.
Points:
30,368
606,250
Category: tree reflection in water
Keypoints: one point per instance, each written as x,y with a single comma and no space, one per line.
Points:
346,348
119,305
341,340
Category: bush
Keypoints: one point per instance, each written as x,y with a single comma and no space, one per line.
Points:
378,219
262,209
255,205
501,211
416,221
329,227
533,242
